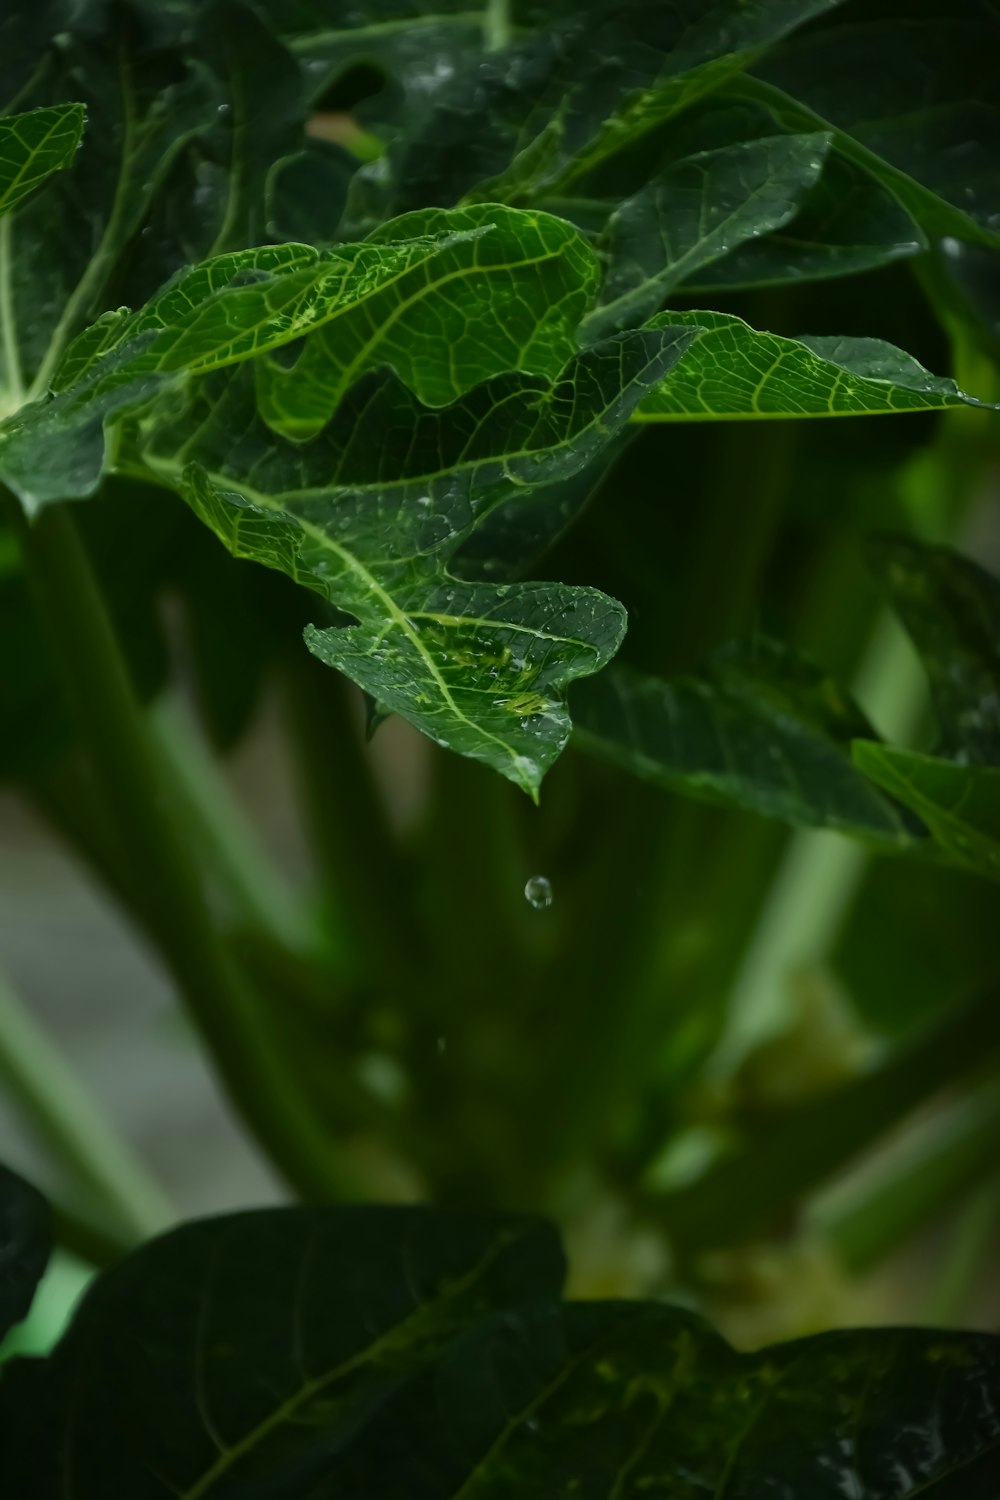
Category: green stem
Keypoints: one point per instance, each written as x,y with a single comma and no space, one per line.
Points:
66,795
254,889
91,1242
881,1206
781,1161
967,1256
820,872
11,352
66,1278
158,856
345,820
62,1114
497,25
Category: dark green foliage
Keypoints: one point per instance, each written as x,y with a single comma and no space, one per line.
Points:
410,1352
455,381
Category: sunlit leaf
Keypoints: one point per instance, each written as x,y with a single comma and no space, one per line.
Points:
371,512
734,372
449,298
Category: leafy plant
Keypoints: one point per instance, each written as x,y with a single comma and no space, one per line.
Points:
410,305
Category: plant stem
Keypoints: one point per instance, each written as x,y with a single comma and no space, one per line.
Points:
65,1280
11,352
497,25
804,1146
229,1013
66,1118
254,888
974,1237
820,872
906,1187
91,1242
345,820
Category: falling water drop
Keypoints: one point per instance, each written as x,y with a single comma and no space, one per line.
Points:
538,892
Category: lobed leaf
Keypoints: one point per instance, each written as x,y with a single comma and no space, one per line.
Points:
448,312
733,372
371,512
498,289
417,1353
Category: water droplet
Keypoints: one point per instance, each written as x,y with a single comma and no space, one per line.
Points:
538,892
223,109
442,1044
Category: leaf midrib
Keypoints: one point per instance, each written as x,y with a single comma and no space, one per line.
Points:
392,609
310,1388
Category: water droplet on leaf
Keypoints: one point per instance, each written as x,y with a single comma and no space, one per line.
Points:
538,892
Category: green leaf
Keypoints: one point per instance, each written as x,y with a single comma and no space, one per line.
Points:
237,1356
733,372
539,116
419,44
33,146
427,302
25,1239
449,298
764,730
695,212
638,1399
417,1354
370,513
960,804
846,224
911,88
951,609
177,166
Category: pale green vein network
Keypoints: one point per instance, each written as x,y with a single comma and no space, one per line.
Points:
398,617
733,372
33,146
